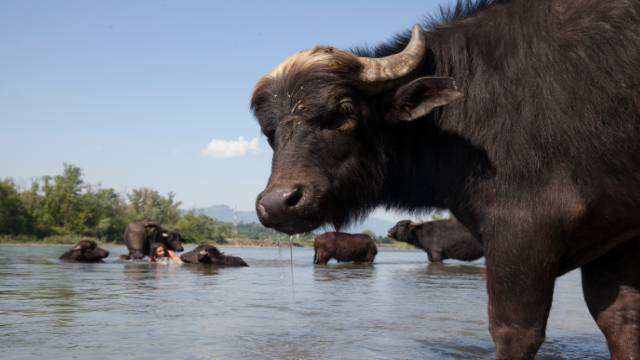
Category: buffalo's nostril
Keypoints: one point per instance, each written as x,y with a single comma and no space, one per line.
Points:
106,253
294,198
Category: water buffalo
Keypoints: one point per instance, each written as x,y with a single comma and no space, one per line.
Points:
140,234
85,251
343,247
533,147
440,239
209,254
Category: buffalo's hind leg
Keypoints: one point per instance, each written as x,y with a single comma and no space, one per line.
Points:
611,286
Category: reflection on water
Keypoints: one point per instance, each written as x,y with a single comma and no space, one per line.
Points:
202,269
343,272
400,307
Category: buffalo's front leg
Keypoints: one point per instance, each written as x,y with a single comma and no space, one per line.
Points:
323,258
435,255
520,281
611,286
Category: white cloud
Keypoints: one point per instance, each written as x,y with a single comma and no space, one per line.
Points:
220,149
176,152
98,148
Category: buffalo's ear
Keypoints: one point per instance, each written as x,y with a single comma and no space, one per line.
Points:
419,97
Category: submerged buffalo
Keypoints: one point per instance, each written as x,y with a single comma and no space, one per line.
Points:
521,117
209,254
343,247
85,251
140,234
441,239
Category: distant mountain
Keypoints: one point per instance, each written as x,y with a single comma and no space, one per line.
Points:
225,213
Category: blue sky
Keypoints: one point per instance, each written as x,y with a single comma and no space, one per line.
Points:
134,91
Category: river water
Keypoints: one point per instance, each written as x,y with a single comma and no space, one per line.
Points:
401,307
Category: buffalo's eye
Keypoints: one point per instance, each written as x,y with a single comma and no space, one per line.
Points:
346,108
269,135
342,113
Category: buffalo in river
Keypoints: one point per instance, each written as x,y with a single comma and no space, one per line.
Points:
440,239
521,117
343,247
209,254
85,251
140,234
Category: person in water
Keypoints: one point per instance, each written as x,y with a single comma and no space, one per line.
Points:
158,251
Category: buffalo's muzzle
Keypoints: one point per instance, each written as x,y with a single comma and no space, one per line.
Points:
279,205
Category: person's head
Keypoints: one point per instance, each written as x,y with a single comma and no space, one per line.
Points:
158,250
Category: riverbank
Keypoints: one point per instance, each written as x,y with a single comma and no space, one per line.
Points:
231,242
65,240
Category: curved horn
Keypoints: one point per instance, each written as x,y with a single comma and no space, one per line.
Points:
382,74
417,224
78,247
203,252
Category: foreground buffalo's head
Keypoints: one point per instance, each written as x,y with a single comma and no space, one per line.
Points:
404,231
85,251
328,115
208,253
173,240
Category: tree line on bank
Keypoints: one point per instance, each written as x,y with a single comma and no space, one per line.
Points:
64,205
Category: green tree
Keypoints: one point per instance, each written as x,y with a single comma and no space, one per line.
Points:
150,204
198,228
101,208
384,240
64,204
254,231
62,199
14,217
225,230
104,228
33,202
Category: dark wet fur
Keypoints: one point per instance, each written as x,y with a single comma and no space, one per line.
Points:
88,252
539,159
344,248
440,239
213,256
